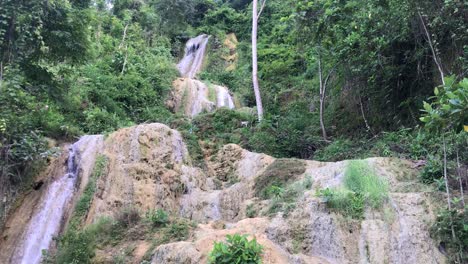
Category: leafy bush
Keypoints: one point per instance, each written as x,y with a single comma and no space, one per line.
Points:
157,218
238,249
340,149
250,211
361,178
345,201
457,246
177,231
432,171
361,187
77,246
284,199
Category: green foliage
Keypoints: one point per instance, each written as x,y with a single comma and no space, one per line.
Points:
177,231
449,107
78,246
361,178
237,249
340,149
285,199
157,218
347,202
277,174
362,187
250,211
432,171
457,246
83,204
128,216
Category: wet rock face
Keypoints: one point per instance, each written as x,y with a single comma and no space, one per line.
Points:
191,97
45,209
145,168
149,167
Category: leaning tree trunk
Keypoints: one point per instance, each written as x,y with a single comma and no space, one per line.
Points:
256,86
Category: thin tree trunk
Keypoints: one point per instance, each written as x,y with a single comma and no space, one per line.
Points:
122,45
322,99
434,53
364,116
125,61
449,203
462,195
124,36
256,86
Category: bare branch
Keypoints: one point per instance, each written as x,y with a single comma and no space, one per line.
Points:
261,9
434,54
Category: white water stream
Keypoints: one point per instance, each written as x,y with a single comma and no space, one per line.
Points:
192,62
46,222
200,96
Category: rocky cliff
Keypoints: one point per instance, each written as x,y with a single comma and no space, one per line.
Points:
149,167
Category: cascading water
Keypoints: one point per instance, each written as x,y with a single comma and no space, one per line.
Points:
224,98
196,96
48,219
46,223
192,62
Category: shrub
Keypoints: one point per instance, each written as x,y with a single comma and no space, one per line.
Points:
284,199
457,246
157,218
345,201
250,211
337,150
84,202
77,246
177,231
432,171
361,185
361,178
238,249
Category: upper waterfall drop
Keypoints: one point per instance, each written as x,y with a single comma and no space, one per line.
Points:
192,62
191,96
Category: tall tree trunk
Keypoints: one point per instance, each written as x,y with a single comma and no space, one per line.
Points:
460,181
322,99
256,86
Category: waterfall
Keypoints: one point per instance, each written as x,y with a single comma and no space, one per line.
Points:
196,96
223,97
47,221
192,62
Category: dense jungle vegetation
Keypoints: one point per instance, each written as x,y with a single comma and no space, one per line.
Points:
393,76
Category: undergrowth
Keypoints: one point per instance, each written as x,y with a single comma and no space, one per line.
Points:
236,249
362,187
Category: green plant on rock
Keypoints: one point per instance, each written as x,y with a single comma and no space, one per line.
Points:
284,199
157,218
347,202
361,187
250,211
237,249
362,179
279,173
